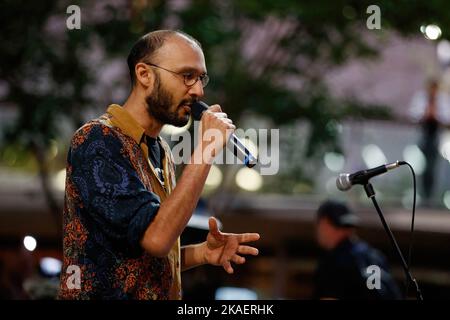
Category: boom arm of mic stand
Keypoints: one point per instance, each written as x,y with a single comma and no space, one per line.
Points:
371,194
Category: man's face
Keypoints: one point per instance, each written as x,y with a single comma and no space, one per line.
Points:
325,232
161,105
170,99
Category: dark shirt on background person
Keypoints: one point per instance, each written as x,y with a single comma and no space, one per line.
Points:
343,271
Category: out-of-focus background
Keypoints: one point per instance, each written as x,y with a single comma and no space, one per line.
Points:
346,84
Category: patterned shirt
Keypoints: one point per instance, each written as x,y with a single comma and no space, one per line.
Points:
112,195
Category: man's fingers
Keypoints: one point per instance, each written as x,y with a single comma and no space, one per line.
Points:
215,108
248,237
214,229
231,127
227,263
248,250
221,115
213,224
232,248
238,259
227,266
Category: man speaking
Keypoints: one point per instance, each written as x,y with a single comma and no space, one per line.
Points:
123,213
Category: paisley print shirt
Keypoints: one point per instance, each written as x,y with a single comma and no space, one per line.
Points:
112,195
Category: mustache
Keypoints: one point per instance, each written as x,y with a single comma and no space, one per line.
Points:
188,102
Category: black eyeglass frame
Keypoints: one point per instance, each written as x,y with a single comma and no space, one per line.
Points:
204,78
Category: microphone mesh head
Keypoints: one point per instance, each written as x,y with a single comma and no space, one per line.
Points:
197,109
343,182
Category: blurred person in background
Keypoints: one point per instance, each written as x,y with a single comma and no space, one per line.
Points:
123,213
431,109
342,269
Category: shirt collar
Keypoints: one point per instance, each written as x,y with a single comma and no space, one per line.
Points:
122,119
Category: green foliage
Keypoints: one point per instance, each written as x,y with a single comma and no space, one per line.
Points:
47,75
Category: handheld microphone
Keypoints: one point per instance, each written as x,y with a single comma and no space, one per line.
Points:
238,148
346,180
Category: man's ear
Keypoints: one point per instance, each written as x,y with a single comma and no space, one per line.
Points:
144,75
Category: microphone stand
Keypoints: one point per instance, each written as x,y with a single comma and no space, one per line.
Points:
371,194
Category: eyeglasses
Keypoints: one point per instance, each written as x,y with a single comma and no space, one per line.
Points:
189,78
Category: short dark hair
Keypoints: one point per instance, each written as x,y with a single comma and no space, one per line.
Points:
147,45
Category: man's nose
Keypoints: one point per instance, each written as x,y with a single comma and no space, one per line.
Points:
196,89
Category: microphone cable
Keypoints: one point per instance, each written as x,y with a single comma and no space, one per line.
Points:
411,239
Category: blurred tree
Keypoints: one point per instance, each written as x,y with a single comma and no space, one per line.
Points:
264,56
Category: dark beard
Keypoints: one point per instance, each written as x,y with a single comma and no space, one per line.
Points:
159,104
